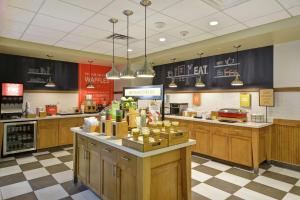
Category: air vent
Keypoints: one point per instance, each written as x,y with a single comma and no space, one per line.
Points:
224,4
119,37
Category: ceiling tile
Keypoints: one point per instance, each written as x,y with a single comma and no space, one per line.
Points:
10,34
137,32
141,45
38,39
91,32
45,32
295,10
290,3
200,37
224,21
79,39
177,44
178,31
54,23
65,11
116,8
191,9
253,9
159,5
155,39
32,5
99,47
230,29
69,45
101,22
94,5
17,14
267,19
169,22
12,26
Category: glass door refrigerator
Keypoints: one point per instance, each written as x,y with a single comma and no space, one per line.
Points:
19,137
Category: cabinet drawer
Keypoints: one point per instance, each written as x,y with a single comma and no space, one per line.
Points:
243,132
70,120
220,130
201,126
126,160
48,123
93,145
81,140
109,151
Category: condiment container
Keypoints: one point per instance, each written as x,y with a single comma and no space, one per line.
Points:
135,133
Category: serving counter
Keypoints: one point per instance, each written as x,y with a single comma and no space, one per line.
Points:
245,143
115,172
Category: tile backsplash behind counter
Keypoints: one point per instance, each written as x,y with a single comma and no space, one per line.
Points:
286,103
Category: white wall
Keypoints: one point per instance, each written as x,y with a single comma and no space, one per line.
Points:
287,64
65,101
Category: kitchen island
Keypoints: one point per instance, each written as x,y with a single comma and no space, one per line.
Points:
115,172
242,143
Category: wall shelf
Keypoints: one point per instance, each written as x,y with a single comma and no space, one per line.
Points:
228,65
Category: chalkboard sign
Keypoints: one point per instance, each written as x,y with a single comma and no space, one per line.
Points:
254,65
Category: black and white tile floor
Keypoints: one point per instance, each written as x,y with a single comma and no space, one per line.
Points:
48,176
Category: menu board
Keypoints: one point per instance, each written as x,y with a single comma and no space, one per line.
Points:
266,97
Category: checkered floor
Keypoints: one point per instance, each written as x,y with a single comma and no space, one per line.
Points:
48,176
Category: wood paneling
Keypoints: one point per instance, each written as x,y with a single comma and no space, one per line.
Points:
47,135
65,135
285,145
1,137
287,89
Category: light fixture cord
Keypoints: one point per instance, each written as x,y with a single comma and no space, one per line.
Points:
90,72
127,43
145,31
113,44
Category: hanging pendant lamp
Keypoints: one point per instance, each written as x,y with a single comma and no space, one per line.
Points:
90,84
50,83
199,83
173,84
237,81
146,71
127,73
113,74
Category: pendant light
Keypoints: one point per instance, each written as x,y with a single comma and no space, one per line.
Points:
173,84
127,73
90,84
199,83
147,71
113,74
237,81
50,83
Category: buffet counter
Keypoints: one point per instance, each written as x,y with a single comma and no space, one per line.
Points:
241,124
112,170
23,119
247,144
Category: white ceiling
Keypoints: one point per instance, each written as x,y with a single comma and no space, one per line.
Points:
83,24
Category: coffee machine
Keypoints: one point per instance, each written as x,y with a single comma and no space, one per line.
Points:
11,101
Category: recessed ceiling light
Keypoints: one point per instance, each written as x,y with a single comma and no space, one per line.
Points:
213,23
162,39
130,50
160,24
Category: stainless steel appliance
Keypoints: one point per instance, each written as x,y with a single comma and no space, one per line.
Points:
178,108
11,100
19,137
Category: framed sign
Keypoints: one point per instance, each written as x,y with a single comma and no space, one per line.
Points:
149,92
196,99
266,97
245,100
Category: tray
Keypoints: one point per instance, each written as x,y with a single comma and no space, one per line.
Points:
144,147
175,138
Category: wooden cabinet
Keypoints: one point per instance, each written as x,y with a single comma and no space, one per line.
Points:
201,133
65,135
126,185
1,137
47,135
81,158
219,142
240,150
108,173
93,166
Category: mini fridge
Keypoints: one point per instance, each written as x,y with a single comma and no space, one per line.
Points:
19,137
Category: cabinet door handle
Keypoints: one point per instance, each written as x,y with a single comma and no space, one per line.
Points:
93,144
84,154
114,170
107,150
125,158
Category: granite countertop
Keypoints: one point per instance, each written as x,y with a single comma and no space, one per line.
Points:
50,117
240,124
117,143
